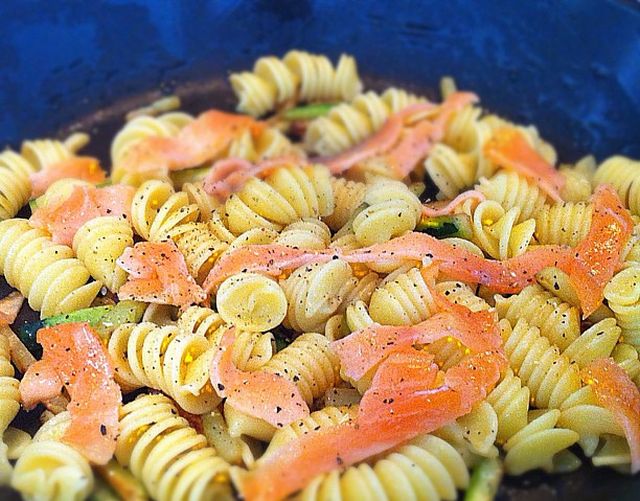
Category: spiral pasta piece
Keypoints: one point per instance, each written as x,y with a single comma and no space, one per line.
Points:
234,450
164,358
270,143
347,124
48,469
309,233
425,468
99,243
497,232
510,190
392,211
157,209
540,444
623,174
135,131
251,301
15,185
623,297
348,196
172,460
309,363
450,171
318,291
626,356
466,133
200,246
510,400
299,75
286,195
9,404
558,321
205,202
47,274
563,224
550,376
598,341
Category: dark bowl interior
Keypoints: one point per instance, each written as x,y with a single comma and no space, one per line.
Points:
570,67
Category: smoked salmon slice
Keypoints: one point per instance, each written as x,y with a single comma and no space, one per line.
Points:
158,274
83,204
264,395
614,390
84,168
509,149
75,358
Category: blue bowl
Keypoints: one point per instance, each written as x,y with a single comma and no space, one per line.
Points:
571,67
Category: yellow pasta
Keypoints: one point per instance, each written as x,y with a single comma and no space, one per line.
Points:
563,224
9,405
622,173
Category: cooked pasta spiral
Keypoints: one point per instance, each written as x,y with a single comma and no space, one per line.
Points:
157,209
540,444
47,274
348,196
392,211
578,179
136,130
99,243
309,363
598,341
9,404
623,174
626,356
171,459
349,123
200,246
286,195
563,224
318,291
497,232
510,400
449,170
558,321
466,133
50,470
510,190
268,144
15,185
426,467
299,75
251,302
309,233
550,376
205,202
474,434
623,296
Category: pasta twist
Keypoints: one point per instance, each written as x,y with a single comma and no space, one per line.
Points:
99,243
200,246
309,363
317,292
578,179
251,301
306,234
563,224
47,274
510,400
598,341
48,469
450,171
251,350
558,321
234,450
286,195
171,459
512,190
157,209
623,174
497,231
626,356
392,211
348,197
205,202
299,75
540,444
427,467
550,376
165,359
623,296
268,144
348,124
135,131
15,185
9,404
466,133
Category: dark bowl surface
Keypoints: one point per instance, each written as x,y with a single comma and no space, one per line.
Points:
570,67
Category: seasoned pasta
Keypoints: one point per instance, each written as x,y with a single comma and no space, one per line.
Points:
9,405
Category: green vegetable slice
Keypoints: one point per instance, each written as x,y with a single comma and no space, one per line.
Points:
485,481
308,112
